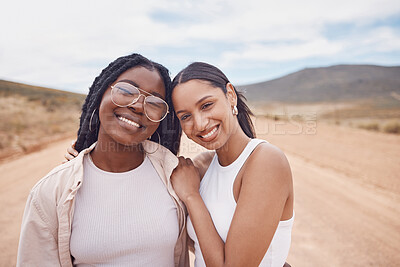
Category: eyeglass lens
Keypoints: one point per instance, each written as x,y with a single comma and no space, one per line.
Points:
124,94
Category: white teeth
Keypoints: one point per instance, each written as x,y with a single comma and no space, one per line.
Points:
128,121
210,133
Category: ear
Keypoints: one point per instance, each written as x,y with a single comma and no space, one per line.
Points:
231,94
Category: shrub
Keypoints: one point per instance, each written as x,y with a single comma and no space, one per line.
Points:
373,126
392,127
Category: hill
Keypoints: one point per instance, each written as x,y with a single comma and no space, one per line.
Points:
46,96
31,116
340,83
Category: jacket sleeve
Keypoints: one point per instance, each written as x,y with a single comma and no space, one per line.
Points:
190,243
38,241
184,256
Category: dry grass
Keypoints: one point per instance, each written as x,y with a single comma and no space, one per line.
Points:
365,115
373,126
392,127
27,124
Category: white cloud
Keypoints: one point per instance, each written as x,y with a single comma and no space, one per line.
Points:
65,44
383,39
256,52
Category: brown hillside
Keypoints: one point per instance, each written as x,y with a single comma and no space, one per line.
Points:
32,116
330,84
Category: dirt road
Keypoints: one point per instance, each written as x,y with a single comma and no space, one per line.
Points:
347,193
16,179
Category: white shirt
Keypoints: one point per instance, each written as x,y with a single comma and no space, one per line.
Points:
123,219
216,190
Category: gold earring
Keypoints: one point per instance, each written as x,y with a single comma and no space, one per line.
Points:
90,121
235,111
159,141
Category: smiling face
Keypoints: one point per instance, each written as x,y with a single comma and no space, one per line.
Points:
205,112
129,125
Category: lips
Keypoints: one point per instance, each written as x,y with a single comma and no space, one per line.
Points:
128,120
209,134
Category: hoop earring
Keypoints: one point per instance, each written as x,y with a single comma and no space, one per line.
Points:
91,118
159,144
235,111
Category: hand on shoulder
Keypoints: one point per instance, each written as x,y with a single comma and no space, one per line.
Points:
185,179
71,152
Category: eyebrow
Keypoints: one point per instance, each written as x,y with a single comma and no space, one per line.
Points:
136,85
199,101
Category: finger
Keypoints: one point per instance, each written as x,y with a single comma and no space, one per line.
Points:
182,160
73,142
68,156
72,151
189,161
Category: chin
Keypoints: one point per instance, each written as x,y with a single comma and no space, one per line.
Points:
128,140
214,145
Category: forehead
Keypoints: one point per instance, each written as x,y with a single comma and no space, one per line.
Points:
190,92
148,80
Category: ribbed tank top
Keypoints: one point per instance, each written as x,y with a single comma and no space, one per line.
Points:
123,219
216,190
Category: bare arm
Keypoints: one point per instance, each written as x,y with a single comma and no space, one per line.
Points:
266,186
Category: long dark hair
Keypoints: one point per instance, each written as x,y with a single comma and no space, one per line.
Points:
213,75
169,129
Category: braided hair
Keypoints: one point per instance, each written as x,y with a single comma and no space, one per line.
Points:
213,75
169,130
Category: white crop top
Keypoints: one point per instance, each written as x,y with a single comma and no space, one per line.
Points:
216,189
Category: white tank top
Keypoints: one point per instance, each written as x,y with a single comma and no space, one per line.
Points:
216,189
123,219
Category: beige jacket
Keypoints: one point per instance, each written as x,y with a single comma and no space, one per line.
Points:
46,224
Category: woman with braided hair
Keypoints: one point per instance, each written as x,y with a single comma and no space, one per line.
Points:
113,205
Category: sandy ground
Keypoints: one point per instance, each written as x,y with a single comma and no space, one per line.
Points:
347,193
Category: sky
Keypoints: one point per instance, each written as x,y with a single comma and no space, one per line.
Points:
66,44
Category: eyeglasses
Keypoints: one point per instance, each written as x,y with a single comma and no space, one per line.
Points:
125,94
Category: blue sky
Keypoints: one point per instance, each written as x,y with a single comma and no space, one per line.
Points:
65,45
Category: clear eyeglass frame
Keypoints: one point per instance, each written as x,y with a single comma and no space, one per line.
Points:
136,99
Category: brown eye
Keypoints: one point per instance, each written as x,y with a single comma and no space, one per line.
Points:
185,117
206,105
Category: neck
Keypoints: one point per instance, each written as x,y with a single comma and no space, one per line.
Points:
114,157
231,150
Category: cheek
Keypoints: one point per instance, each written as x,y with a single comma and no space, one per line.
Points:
222,113
106,115
228,120
151,128
187,128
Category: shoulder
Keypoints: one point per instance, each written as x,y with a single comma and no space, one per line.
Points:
267,152
158,154
268,162
203,161
53,187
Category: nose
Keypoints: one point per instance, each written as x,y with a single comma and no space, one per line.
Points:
200,122
138,106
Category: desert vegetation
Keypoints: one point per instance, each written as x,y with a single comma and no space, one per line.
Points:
349,114
32,116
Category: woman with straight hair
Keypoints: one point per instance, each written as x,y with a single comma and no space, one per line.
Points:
240,200
113,205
